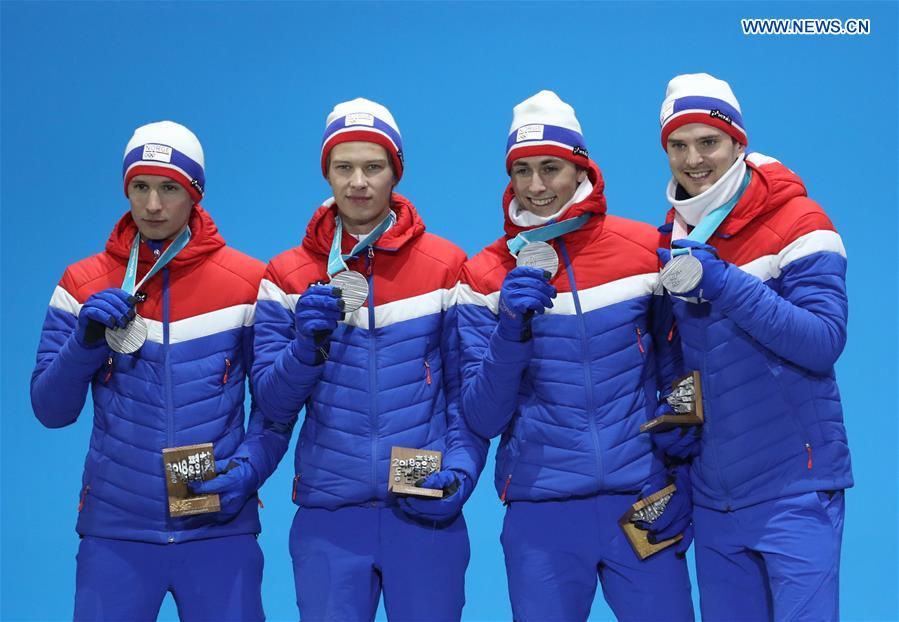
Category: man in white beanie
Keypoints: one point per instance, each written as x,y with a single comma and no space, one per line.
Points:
757,281
355,326
566,366
159,327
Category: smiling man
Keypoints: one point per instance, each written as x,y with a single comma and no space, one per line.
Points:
566,368
176,378
372,377
761,310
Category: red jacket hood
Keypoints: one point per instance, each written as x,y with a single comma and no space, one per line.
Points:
320,230
595,203
204,239
772,185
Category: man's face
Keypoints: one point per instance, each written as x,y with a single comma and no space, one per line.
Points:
160,206
361,179
543,184
699,155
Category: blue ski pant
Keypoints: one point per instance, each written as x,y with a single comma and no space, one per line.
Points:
344,559
213,580
777,560
556,550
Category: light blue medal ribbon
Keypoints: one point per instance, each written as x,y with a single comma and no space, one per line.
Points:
545,233
707,226
337,260
174,248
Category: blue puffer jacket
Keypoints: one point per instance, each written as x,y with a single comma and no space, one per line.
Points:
569,402
184,386
392,375
765,349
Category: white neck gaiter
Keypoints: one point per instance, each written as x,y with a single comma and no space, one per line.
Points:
523,218
691,211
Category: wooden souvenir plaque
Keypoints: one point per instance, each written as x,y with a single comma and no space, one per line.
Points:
648,510
191,463
686,402
408,466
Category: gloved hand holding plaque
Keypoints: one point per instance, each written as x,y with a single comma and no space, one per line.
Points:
408,467
191,463
682,407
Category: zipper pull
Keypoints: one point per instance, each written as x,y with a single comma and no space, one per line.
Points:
428,371
83,495
640,340
671,332
259,500
808,448
502,497
227,369
156,253
108,369
296,479
371,259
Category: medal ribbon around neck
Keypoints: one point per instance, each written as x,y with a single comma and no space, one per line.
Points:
337,260
545,233
174,248
707,226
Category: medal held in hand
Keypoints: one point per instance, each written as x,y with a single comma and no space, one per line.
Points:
130,338
539,255
685,400
353,287
191,463
647,510
408,467
682,274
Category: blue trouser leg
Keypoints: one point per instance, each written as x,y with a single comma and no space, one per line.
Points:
423,567
556,550
218,579
215,579
798,541
119,580
343,558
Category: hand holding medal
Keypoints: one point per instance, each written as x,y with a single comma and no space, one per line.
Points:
130,338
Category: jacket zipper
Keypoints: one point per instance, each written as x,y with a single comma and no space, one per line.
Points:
296,480
84,492
372,371
640,340
427,372
808,448
227,369
502,496
167,383
585,354
108,375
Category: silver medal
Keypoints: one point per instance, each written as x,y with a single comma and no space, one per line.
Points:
682,274
353,287
128,339
539,255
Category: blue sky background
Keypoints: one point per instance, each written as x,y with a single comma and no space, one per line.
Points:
255,81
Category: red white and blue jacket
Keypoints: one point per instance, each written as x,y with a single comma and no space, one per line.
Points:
765,349
184,386
392,374
569,402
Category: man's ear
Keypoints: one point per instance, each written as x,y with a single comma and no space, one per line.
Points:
581,175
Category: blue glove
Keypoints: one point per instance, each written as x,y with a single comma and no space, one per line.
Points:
682,442
235,483
317,313
714,269
678,515
456,490
108,308
525,291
